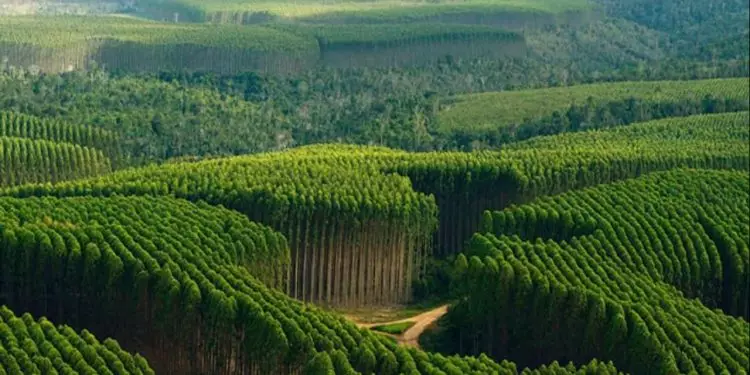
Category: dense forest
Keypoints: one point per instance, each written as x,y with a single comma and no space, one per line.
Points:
383,187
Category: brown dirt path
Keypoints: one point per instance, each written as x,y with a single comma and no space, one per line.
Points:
421,322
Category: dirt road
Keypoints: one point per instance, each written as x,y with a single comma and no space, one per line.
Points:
421,322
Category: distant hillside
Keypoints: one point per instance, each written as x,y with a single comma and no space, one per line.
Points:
698,29
493,12
59,7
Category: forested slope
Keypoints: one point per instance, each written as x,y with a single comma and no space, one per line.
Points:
611,272
24,126
152,190
497,12
697,29
66,43
329,200
180,280
490,119
38,347
113,42
36,150
173,114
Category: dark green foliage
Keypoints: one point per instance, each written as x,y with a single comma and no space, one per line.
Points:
697,29
622,289
29,347
340,206
155,120
165,269
320,364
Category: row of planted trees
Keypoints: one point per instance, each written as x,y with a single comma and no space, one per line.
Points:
701,250
360,220
464,185
39,347
357,236
20,125
610,293
177,279
148,264
36,150
593,114
24,161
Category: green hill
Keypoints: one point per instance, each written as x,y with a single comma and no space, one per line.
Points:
178,280
346,11
612,272
698,29
508,108
500,117
377,209
66,43
134,45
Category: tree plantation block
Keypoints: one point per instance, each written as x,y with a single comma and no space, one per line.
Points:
357,236
648,272
24,161
466,184
25,126
413,44
494,12
133,45
56,44
29,346
183,281
139,260
506,111
361,221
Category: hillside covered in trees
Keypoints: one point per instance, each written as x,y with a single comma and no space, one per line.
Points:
393,187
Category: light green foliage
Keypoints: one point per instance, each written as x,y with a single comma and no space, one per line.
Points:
63,43
395,328
25,126
503,109
707,134
46,151
55,44
371,11
84,32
